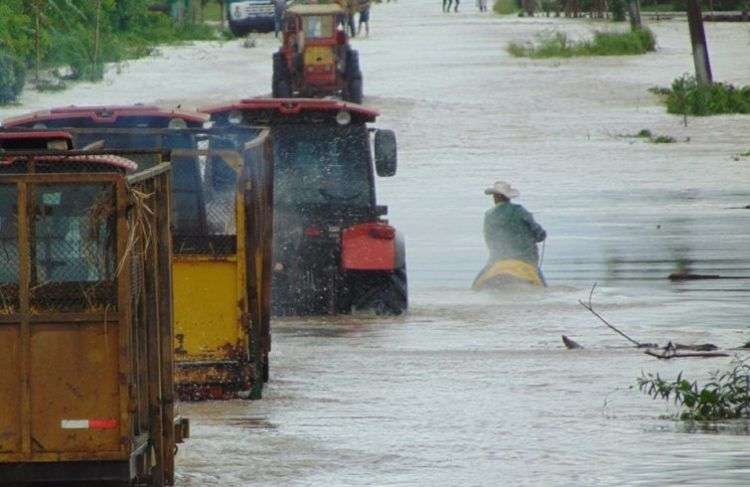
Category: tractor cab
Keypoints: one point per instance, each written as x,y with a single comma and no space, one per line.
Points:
315,58
333,250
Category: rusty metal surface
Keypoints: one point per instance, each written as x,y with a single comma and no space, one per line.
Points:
72,347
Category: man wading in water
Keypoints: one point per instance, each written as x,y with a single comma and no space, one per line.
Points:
511,234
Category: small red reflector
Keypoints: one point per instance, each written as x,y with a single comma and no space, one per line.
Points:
102,424
313,232
383,232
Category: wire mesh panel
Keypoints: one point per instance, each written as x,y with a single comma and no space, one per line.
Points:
8,249
204,201
73,247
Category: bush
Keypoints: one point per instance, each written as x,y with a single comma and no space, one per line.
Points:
688,97
726,396
505,7
12,78
557,44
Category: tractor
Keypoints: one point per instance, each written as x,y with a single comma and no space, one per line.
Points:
334,251
315,58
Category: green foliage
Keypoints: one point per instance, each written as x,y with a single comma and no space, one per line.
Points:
663,139
618,8
688,97
645,133
68,34
557,44
12,77
505,7
726,396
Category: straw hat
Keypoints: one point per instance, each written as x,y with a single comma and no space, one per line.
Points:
502,188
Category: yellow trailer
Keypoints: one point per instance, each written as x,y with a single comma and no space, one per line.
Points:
222,235
86,369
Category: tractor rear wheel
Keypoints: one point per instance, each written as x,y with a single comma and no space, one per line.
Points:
353,77
281,86
386,293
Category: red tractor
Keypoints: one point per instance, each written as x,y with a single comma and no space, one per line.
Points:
315,58
334,251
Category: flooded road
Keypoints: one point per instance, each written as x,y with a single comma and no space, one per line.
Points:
477,389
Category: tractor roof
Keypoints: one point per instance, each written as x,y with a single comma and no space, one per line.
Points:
324,9
293,107
104,115
32,139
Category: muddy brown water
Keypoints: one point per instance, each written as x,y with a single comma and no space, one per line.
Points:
478,389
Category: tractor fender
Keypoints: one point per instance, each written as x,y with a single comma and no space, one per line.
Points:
374,246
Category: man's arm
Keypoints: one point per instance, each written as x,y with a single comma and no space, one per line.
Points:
536,229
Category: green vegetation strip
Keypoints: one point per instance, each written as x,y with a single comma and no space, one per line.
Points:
725,396
81,36
557,45
688,97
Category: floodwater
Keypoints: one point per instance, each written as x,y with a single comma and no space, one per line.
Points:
477,389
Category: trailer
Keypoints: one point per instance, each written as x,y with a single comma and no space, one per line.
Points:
86,359
222,225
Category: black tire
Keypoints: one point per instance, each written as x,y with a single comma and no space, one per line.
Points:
237,30
386,293
353,75
281,86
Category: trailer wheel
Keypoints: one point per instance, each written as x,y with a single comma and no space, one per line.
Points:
281,84
353,73
386,294
237,30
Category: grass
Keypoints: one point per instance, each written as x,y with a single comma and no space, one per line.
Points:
505,7
557,45
687,97
650,137
746,154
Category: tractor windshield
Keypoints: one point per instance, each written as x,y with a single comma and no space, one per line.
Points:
318,27
322,165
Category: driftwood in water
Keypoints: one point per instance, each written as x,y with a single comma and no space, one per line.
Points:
589,306
686,276
570,344
667,354
701,347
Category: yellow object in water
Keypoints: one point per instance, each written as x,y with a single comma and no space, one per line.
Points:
509,270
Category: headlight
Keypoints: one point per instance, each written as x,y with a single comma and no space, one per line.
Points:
343,117
235,117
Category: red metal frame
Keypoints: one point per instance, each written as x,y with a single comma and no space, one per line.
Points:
369,247
103,114
297,106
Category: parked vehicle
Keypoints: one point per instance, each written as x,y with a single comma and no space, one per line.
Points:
247,16
333,251
86,381
315,58
221,237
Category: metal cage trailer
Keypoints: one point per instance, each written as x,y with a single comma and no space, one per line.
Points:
86,359
222,223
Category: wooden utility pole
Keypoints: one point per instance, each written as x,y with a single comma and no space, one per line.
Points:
223,14
698,40
97,37
37,37
634,9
